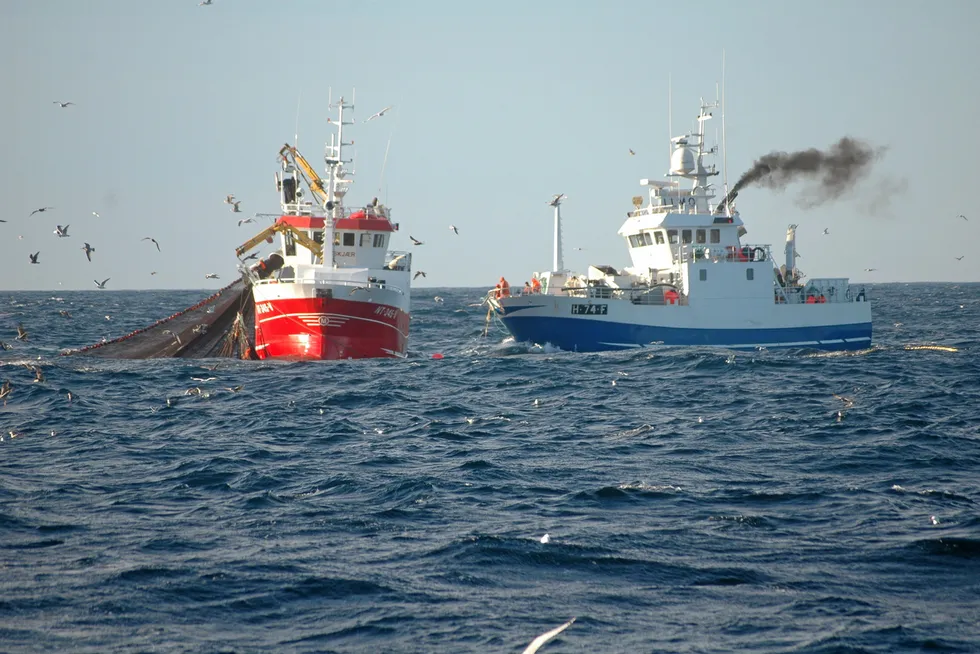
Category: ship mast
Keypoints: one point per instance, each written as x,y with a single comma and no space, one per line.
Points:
337,182
687,161
558,263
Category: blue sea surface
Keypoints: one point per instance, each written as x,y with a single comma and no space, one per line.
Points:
696,500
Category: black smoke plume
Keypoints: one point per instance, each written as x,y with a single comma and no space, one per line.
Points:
835,170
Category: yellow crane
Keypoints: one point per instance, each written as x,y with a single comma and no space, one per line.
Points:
267,233
306,170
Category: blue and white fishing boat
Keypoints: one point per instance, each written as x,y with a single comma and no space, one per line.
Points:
694,280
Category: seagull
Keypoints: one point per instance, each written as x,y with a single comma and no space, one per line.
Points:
63,104
415,241
254,255
235,389
555,201
826,230
153,273
62,231
34,257
5,346
176,336
453,227
102,283
631,151
229,199
960,258
96,214
150,238
211,276
545,637
245,220
234,206
88,251
65,312
870,269
205,3
41,210
356,289
963,217
21,332
418,274
38,374
848,402
379,114
391,265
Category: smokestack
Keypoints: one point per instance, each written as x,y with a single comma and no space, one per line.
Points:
835,170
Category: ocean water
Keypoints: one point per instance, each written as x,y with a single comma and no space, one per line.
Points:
696,500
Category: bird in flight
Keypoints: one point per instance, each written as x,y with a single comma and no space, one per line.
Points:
153,273
88,251
391,265
826,230
102,283
870,269
245,220
96,214
63,104
205,3
62,232
631,151
34,257
229,198
960,258
234,206
150,238
211,276
963,217
379,114
42,209
453,227
545,637
415,241
254,255
418,274
22,333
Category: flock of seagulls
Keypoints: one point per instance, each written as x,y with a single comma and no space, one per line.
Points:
415,241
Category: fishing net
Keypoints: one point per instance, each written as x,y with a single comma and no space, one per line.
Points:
220,325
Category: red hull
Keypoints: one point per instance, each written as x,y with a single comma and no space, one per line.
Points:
328,328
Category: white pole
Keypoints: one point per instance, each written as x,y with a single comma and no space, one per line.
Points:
558,264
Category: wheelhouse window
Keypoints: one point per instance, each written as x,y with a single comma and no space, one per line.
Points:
703,276
659,237
716,236
317,235
290,244
365,240
672,236
701,236
336,238
639,240
686,236
749,274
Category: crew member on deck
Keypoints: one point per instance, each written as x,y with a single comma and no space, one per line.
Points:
535,285
504,288
527,289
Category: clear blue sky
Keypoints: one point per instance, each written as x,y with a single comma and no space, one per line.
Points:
498,106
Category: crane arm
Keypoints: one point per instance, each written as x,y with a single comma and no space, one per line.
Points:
301,238
309,174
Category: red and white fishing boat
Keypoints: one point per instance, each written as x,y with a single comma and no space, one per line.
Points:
333,290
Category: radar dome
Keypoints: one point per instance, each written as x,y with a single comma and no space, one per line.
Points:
682,160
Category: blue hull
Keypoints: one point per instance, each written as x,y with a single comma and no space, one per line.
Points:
584,335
